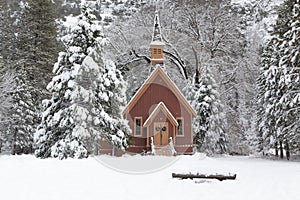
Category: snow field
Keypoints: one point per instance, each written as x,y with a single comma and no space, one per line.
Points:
26,177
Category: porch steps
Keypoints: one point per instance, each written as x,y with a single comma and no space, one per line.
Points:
163,150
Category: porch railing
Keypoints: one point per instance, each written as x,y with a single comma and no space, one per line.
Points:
152,147
171,144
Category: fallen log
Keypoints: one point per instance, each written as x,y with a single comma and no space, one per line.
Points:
192,176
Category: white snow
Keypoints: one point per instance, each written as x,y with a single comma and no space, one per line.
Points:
158,43
26,177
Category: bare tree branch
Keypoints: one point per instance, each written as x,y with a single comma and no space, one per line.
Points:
140,56
179,63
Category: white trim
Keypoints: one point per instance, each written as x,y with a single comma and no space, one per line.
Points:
192,131
148,144
182,124
159,106
141,126
139,90
180,93
158,68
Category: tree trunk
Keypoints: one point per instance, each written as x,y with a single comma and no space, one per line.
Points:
192,176
197,74
287,149
281,149
14,142
276,149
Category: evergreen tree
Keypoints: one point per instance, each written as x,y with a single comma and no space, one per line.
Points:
268,92
6,82
288,121
209,134
9,16
84,99
29,35
278,83
36,50
37,44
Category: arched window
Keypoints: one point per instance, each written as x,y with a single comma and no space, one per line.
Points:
138,126
180,131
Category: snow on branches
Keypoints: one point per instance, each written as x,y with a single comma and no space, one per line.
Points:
84,90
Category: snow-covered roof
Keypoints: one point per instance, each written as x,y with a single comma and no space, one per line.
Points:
157,43
160,107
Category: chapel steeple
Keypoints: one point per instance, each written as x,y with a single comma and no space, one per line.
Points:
157,44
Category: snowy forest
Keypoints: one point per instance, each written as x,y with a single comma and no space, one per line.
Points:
68,68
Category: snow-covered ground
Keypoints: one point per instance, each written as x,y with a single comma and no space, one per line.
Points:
26,177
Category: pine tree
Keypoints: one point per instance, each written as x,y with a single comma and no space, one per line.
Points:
6,83
278,83
29,37
209,134
17,123
9,14
266,92
84,103
268,95
289,105
37,44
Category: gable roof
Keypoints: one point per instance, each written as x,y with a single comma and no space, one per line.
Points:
171,85
161,107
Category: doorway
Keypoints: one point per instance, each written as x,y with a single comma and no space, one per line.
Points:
161,134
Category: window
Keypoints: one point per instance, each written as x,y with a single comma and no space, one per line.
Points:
154,51
159,51
138,126
180,127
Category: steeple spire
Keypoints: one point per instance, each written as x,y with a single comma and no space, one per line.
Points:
157,44
156,29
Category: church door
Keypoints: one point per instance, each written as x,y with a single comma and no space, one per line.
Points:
161,134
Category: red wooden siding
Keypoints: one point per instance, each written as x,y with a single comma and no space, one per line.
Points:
157,92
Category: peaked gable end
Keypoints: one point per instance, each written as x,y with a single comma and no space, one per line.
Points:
161,107
158,72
